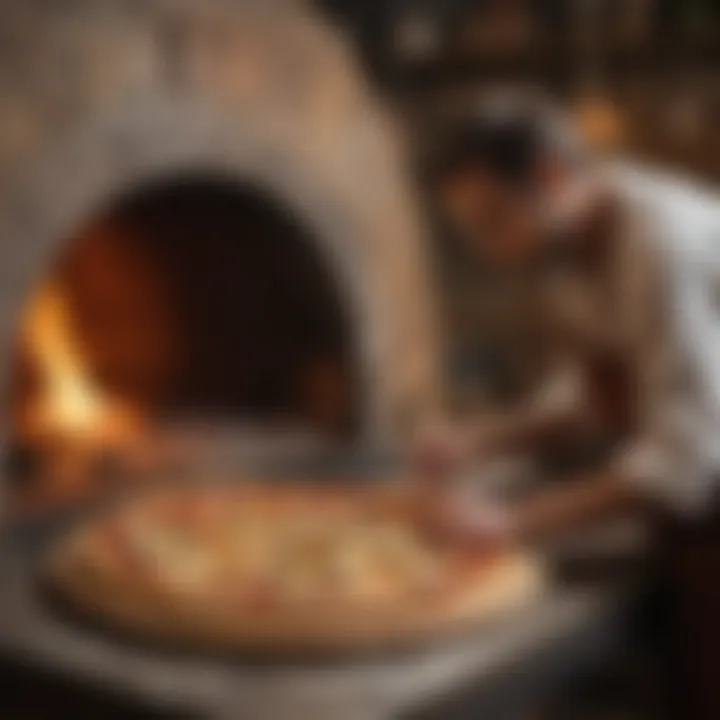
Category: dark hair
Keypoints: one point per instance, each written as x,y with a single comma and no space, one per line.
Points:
508,143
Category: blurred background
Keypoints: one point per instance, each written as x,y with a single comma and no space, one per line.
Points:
640,76
141,144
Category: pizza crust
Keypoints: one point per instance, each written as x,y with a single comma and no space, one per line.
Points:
128,599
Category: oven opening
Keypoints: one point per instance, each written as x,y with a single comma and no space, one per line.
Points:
193,301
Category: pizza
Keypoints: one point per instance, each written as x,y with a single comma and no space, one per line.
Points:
283,566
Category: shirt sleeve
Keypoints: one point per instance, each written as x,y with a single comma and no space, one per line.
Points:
659,458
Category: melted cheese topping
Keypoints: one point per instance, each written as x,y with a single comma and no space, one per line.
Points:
295,557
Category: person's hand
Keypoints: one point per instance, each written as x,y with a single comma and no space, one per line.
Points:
439,451
454,518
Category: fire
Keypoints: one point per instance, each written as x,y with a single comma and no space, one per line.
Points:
69,404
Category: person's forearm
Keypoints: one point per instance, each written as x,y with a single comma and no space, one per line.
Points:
523,427
571,505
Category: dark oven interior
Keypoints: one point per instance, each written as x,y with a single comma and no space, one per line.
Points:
191,298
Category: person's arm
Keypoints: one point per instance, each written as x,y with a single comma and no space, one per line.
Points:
552,411
440,449
653,464
550,512
574,505
648,462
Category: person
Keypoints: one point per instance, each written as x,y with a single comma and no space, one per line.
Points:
687,221
605,378
619,328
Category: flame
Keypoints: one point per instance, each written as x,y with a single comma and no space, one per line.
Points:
70,402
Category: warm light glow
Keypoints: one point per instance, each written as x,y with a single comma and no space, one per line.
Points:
69,402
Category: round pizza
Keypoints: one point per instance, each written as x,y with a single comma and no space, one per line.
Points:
284,566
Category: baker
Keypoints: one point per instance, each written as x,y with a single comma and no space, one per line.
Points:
609,398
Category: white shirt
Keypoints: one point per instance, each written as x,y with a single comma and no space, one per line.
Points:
686,222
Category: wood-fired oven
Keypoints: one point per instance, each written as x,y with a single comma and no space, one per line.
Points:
204,219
